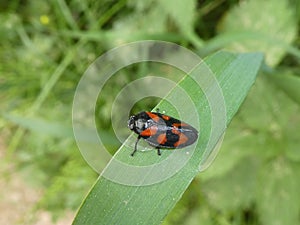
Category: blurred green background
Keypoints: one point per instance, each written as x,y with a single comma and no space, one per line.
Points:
45,47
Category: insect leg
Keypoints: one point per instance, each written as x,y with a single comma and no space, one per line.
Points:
135,146
158,151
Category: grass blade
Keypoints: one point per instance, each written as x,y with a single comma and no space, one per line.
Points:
112,203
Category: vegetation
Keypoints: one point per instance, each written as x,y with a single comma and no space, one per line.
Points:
46,46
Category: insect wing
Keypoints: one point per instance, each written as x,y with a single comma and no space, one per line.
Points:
171,132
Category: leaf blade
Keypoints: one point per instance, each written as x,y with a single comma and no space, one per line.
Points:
112,203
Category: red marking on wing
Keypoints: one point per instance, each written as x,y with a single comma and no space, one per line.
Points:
161,139
153,116
175,130
165,117
149,131
180,125
182,139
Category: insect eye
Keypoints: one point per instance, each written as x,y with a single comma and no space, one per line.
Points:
131,123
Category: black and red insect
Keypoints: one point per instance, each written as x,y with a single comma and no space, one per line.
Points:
161,131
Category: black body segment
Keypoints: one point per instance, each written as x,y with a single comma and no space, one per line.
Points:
162,131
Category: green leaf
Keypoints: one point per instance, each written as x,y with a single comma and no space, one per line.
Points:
266,129
278,192
237,145
239,182
200,215
263,23
182,12
41,126
289,83
56,129
112,203
271,123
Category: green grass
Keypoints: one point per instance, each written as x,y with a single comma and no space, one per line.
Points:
140,204
46,47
